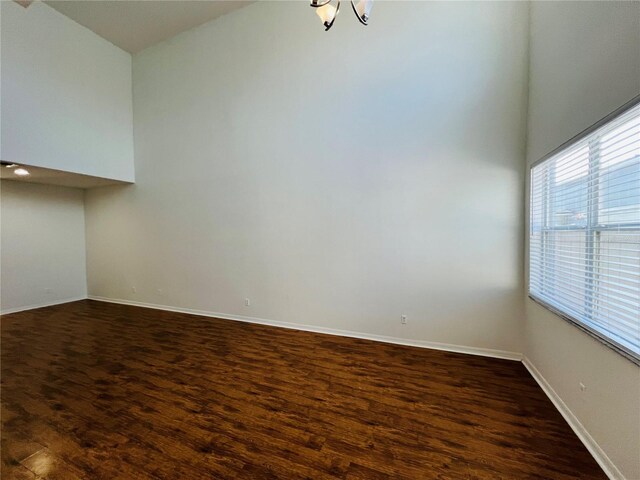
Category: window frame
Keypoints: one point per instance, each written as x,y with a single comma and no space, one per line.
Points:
596,230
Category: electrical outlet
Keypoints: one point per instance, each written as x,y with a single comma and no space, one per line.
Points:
160,292
47,290
134,290
247,302
403,319
583,387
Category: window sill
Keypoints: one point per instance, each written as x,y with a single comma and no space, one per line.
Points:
589,331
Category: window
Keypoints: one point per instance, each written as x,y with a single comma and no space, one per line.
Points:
584,259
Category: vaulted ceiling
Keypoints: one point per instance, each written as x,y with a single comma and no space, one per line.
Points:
134,25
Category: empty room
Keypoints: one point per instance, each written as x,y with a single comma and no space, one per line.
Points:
320,239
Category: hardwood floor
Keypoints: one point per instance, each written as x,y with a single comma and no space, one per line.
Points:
100,391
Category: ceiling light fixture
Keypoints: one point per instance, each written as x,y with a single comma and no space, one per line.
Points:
328,13
21,172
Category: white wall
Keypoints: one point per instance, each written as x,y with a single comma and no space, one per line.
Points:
42,245
66,95
336,179
585,62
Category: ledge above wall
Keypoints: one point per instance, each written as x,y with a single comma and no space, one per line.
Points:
50,176
66,103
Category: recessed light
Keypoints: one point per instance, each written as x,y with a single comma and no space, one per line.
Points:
10,165
21,172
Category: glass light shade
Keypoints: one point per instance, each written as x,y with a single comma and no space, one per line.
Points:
327,14
363,10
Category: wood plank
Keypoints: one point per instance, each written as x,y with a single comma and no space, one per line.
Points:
104,391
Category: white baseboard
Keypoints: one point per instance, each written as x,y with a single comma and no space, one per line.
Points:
598,454
41,305
485,352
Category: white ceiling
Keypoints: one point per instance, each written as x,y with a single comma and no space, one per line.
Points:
134,25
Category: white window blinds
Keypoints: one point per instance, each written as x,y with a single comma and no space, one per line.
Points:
584,259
